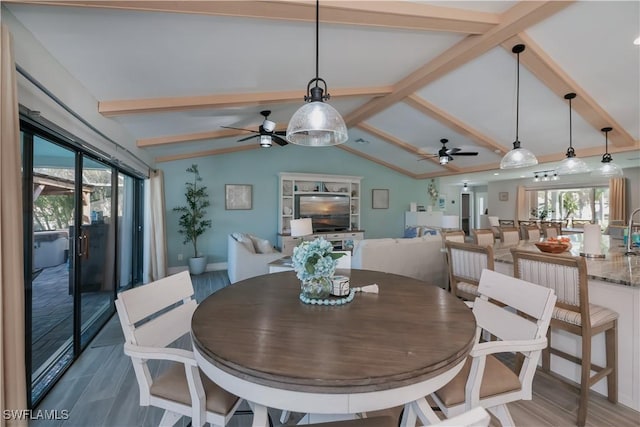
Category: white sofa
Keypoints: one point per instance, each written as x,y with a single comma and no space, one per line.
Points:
418,257
244,259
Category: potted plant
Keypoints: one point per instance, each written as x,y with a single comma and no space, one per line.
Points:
192,223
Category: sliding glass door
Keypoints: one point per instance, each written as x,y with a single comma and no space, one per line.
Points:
49,292
83,241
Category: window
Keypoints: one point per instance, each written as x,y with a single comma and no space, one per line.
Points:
579,203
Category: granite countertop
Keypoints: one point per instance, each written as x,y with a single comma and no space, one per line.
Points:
614,268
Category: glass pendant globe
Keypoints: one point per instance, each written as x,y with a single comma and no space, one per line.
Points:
317,124
518,158
608,170
572,165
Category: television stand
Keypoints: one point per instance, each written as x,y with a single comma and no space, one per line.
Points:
341,240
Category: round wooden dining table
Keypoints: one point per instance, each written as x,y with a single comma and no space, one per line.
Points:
257,340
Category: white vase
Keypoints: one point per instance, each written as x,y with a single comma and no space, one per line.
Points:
197,265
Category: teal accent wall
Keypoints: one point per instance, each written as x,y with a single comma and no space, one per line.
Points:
260,168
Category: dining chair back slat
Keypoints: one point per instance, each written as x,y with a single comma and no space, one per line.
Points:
509,235
466,262
483,236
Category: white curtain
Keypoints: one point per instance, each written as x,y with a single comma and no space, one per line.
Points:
13,391
157,255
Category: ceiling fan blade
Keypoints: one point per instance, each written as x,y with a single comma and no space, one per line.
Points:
279,141
280,132
452,150
465,153
231,127
248,138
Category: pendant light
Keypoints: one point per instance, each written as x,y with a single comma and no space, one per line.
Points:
608,169
317,124
571,164
518,157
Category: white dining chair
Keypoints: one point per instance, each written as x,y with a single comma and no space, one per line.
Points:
152,317
518,314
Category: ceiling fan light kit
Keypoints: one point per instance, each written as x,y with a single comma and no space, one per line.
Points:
518,157
608,168
265,132
571,164
317,124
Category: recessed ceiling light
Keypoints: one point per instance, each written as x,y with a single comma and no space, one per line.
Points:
637,41
522,176
496,173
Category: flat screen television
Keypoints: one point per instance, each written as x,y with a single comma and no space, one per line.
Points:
328,212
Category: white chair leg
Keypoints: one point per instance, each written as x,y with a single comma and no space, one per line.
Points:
502,413
284,417
409,417
169,418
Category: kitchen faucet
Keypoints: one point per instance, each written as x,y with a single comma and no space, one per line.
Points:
630,234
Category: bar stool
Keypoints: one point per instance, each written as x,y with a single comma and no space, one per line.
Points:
509,235
573,313
483,236
466,262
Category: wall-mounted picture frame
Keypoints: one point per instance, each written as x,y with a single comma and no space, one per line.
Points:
503,196
380,198
442,203
238,196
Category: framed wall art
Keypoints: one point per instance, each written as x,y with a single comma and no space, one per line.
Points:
503,196
380,198
238,196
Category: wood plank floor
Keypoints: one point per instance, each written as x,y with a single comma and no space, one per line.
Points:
100,389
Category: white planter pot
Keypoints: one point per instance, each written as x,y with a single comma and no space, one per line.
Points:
197,265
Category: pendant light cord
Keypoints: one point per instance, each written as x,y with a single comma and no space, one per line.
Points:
317,40
517,96
570,127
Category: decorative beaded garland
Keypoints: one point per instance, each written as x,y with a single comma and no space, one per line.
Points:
327,301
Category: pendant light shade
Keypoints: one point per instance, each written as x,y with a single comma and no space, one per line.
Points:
518,157
608,168
571,164
317,124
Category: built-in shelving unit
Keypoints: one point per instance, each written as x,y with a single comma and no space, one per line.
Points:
292,184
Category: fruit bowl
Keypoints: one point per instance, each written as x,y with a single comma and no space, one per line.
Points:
554,247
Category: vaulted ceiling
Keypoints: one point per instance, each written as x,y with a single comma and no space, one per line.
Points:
403,74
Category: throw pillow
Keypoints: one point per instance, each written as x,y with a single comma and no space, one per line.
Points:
411,232
245,241
262,246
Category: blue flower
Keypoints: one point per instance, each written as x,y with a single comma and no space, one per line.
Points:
314,259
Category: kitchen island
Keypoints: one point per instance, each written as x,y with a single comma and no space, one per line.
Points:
614,282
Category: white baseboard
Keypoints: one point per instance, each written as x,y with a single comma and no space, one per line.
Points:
216,266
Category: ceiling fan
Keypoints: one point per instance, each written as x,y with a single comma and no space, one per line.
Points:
444,154
265,132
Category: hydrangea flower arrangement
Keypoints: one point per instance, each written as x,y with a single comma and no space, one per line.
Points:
314,259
